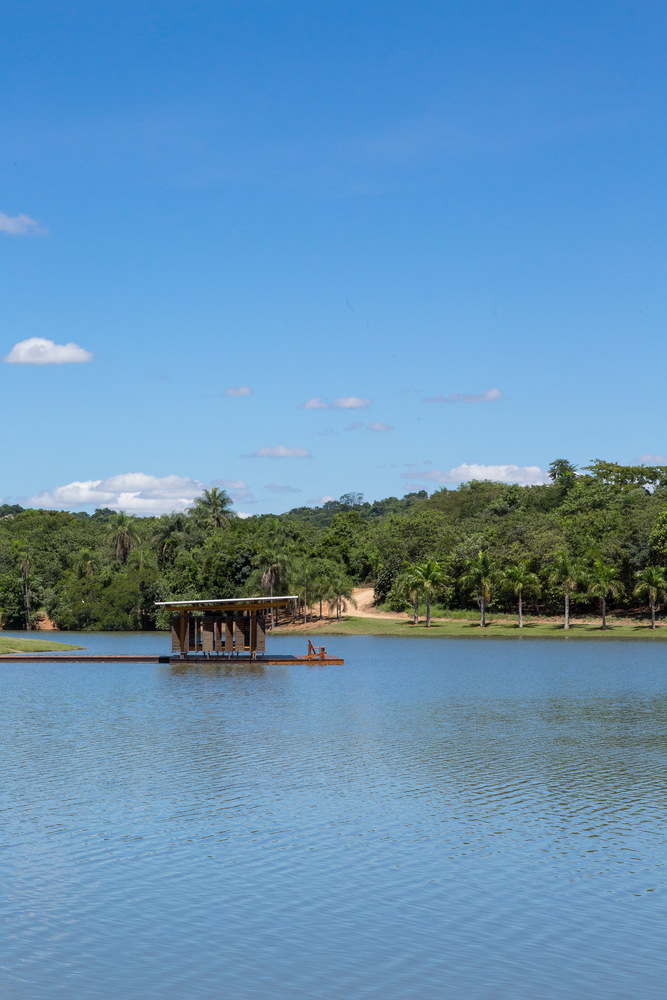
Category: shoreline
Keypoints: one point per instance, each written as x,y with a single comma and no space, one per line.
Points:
449,628
440,628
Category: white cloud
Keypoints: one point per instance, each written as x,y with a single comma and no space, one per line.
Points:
38,351
489,396
324,499
230,484
241,390
351,403
653,460
374,426
342,403
525,475
280,451
282,489
243,515
316,403
134,492
20,225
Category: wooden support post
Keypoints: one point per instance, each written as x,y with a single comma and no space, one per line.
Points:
229,634
176,634
241,633
208,637
253,634
261,633
183,623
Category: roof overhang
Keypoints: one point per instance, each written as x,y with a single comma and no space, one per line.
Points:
229,603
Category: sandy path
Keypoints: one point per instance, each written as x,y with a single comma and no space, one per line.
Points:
366,609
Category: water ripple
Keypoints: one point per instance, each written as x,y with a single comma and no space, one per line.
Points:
432,820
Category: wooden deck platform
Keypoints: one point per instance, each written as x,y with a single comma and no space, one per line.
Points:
79,658
265,660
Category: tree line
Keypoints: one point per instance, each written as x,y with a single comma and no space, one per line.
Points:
485,579
588,539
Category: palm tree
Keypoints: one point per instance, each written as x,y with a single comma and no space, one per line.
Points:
408,586
302,578
340,591
324,569
213,507
84,564
601,581
274,566
519,580
566,575
480,577
430,578
170,531
122,531
652,584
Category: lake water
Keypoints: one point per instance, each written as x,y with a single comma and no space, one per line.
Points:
434,819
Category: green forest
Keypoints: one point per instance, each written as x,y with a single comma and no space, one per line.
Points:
593,538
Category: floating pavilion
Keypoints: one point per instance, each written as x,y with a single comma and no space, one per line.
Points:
231,628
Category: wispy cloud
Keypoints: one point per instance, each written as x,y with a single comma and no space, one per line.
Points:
38,351
282,489
374,426
490,396
241,390
20,225
653,460
280,451
342,403
230,484
351,403
525,475
135,492
316,403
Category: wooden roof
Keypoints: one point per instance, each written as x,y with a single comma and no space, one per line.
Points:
230,604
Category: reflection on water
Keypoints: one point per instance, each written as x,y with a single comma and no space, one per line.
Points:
436,818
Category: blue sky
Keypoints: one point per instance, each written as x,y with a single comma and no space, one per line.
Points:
443,222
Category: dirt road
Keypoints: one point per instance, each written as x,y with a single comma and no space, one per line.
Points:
365,608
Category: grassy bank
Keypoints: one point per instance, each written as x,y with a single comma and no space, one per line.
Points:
9,644
495,629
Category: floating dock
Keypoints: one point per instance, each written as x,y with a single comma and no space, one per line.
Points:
227,631
79,658
217,661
